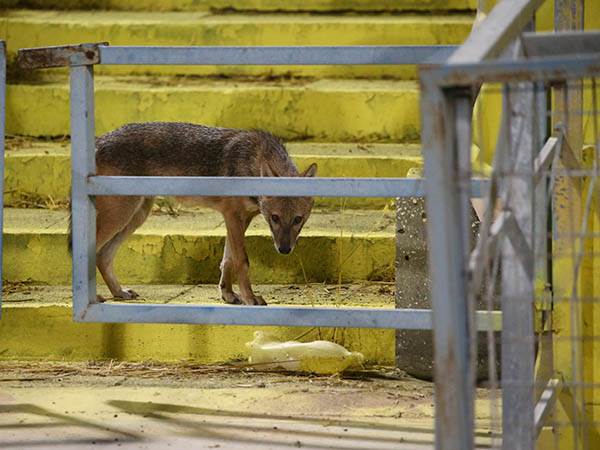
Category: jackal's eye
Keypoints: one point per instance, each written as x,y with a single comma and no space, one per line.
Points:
297,220
275,218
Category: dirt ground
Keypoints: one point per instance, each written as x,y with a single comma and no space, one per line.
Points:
155,406
368,293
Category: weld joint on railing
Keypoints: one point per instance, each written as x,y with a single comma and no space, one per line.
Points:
59,56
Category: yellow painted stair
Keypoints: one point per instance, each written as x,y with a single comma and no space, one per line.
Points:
335,245
254,5
29,28
37,323
323,110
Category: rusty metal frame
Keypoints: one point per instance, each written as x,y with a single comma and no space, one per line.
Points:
59,56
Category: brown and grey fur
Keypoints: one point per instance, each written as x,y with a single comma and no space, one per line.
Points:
184,149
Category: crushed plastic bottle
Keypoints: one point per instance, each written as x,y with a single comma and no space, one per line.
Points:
321,357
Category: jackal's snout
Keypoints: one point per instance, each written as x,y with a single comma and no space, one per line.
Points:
287,215
284,250
283,241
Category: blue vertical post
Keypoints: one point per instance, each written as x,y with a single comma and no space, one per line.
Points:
83,210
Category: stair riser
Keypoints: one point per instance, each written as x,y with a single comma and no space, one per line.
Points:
324,112
258,5
178,259
62,339
53,28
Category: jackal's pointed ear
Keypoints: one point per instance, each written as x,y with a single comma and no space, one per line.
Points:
266,171
311,171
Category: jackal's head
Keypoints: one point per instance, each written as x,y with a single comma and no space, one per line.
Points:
287,215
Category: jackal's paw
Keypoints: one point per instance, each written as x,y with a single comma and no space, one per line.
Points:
231,297
127,294
255,300
100,299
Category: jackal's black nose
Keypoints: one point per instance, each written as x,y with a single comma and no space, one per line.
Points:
284,250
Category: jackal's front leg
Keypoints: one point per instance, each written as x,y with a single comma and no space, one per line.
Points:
236,228
226,281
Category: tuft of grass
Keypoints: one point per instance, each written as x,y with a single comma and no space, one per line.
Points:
31,200
166,205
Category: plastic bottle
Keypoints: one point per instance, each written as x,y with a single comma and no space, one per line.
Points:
321,357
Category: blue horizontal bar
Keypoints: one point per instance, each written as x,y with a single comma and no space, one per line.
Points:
253,186
272,56
408,319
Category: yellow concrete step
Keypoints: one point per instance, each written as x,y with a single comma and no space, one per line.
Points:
38,172
27,28
324,110
345,245
37,324
255,5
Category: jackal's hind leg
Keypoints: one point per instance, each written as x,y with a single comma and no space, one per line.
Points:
105,257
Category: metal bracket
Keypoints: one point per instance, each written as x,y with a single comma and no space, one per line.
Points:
540,45
59,56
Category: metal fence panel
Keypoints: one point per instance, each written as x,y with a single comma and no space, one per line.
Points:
537,249
85,186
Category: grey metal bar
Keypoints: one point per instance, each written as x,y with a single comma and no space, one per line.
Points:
520,242
454,401
500,28
552,69
410,319
546,403
544,159
297,55
568,108
487,242
83,211
517,292
251,186
2,125
462,116
561,43
541,231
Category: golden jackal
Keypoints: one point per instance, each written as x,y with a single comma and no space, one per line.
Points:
184,149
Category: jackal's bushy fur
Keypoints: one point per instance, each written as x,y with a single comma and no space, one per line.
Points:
184,149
